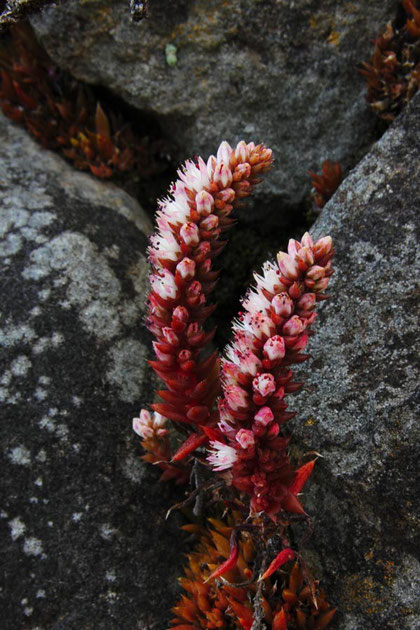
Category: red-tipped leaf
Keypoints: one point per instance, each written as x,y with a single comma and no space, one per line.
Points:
284,556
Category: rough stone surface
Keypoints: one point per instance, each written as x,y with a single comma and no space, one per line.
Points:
84,543
276,71
360,409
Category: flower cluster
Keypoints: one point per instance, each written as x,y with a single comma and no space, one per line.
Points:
393,73
228,582
63,115
326,183
289,600
269,337
190,225
151,427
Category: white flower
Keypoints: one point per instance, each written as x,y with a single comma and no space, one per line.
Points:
222,457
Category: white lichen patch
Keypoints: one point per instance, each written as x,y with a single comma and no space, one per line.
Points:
127,360
17,528
13,334
91,285
33,547
106,531
76,517
40,594
21,365
42,456
39,482
40,394
111,576
46,343
47,423
134,469
20,456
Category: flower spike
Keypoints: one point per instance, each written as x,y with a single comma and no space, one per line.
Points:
269,337
190,223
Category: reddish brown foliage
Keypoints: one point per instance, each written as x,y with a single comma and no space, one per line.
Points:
393,73
63,115
326,183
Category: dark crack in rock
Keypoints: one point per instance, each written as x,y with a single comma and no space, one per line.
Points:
273,71
360,408
84,541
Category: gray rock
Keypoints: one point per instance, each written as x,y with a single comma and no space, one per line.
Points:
276,71
360,409
84,543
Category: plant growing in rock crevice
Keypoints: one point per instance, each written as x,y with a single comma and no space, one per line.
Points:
64,115
393,73
248,447
325,183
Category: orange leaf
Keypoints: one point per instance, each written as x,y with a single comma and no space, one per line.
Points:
101,122
279,621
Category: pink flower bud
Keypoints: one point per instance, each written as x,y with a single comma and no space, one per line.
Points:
181,313
242,171
205,202
274,348
264,384
171,337
264,416
241,151
222,175
293,247
190,234
210,222
306,255
321,285
227,195
236,397
307,240
288,266
142,428
306,302
211,165
164,284
224,152
294,326
283,305
245,438
315,273
322,247
186,268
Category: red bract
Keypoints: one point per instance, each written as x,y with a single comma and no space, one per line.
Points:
190,224
269,337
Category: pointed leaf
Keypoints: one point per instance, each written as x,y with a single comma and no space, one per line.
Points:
284,556
302,475
101,122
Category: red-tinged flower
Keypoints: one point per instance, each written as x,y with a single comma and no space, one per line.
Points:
151,427
268,338
190,223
